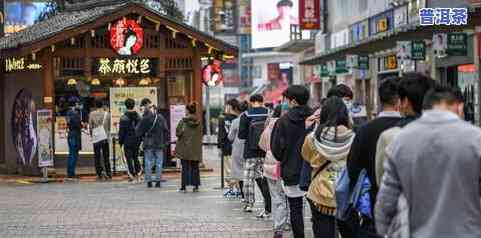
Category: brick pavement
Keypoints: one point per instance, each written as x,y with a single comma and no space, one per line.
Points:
117,209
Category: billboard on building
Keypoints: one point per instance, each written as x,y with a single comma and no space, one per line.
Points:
244,21
19,14
310,14
224,16
271,22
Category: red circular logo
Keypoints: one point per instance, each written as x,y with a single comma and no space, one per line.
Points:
126,37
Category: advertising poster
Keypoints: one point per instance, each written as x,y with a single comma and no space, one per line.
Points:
177,112
60,138
271,22
23,126
117,102
45,142
244,21
440,44
310,14
404,50
19,14
224,16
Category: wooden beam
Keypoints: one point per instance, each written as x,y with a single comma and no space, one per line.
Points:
48,79
197,83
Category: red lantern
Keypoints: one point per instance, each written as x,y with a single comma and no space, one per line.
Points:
126,37
212,73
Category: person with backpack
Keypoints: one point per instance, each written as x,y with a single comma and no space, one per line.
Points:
272,171
326,150
363,154
129,140
225,145
251,126
287,139
155,135
99,122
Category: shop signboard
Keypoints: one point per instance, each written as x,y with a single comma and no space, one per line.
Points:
360,31
413,11
20,64
244,20
331,67
363,62
324,72
400,16
177,112
391,62
45,141
443,16
271,22
109,66
310,14
224,16
126,37
341,66
381,23
118,95
418,50
457,44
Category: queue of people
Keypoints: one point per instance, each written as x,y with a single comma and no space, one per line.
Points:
413,171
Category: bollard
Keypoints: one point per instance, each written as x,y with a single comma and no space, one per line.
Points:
114,159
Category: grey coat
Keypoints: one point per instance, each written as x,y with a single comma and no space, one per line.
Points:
237,150
436,163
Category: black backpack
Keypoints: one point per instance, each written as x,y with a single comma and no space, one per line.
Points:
256,127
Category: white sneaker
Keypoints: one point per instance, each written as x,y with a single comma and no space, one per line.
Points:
264,214
248,208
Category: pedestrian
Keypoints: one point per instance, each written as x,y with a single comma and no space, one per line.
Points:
129,140
412,89
286,143
251,126
155,135
272,172
74,136
435,163
225,145
238,161
189,148
326,150
99,122
363,154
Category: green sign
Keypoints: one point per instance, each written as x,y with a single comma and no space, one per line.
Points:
363,62
324,71
418,50
341,67
457,44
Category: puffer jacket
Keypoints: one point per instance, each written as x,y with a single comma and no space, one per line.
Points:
271,165
319,151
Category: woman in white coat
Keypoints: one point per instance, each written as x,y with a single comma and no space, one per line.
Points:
238,161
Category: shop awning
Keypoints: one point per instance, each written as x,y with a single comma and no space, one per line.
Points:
388,40
73,22
295,46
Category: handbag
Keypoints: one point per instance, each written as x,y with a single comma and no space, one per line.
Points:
98,133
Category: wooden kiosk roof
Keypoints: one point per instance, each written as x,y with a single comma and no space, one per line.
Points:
73,22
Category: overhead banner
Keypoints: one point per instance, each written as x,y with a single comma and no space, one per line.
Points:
117,102
45,140
244,21
310,14
457,44
271,22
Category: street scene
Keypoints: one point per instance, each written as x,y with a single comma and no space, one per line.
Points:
240,118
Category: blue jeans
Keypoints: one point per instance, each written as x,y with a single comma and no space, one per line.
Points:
73,154
153,157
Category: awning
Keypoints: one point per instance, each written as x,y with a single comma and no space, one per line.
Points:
295,46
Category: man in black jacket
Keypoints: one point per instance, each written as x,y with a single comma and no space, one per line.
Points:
155,133
251,126
286,143
363,149
128,139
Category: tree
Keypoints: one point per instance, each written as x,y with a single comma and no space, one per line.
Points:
167,7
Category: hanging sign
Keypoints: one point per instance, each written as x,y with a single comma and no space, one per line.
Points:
391,62
457,44
324,72
310,14
126,37
20,64
341,66
363,62
440,44
443,16
107,66
45,140
212,73
418,50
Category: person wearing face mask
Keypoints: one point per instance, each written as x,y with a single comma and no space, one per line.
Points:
74,137
154,132
286,143
435,162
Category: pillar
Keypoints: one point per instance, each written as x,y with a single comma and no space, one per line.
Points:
48,79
